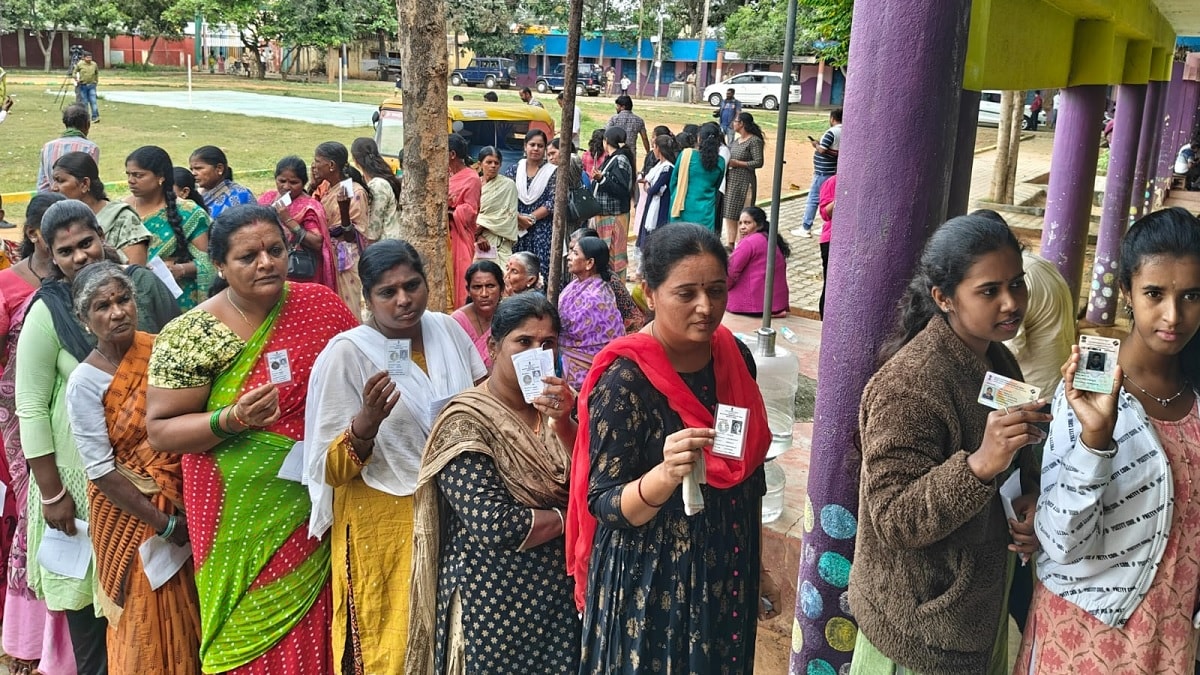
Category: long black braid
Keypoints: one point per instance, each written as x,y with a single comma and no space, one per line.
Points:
156,160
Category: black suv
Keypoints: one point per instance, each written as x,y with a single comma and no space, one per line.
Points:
590,81
489,72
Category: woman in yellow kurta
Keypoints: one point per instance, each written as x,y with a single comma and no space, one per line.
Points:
372,398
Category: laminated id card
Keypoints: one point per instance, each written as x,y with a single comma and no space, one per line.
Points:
1097,363
278,367
999,392
399,357
731,431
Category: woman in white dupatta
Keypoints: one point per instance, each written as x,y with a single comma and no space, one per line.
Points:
373,394
654,208
534,177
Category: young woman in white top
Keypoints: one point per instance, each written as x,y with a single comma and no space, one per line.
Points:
1119,513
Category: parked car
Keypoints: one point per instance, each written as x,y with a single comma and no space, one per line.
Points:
590,80
754,88
489,72
989,111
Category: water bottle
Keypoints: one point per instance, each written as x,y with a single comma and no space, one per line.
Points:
778,379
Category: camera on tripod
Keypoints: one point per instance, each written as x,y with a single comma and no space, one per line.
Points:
76,54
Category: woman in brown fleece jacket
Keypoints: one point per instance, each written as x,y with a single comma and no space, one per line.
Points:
931,562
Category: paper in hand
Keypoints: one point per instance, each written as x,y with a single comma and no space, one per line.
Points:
531,366
66,556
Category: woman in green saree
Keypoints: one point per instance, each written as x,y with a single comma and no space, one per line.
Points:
152,184
227,389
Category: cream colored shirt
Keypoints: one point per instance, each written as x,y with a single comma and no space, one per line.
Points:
1044,340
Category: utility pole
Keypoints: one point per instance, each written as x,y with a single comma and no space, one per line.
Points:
637,85
658,55
701,70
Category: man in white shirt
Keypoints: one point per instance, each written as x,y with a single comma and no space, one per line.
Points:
575,126
1054,110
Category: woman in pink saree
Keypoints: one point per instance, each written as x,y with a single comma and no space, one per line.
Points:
588,309
303,216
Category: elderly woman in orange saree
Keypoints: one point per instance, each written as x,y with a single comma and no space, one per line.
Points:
135,494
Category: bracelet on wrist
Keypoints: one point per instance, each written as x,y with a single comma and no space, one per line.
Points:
1107,453
562,520
238,418
214,425
645,501
167,531
56,498
355,437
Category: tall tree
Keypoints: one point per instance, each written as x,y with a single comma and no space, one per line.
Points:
828,22
46,19
487,25
152,19
257,23
424,74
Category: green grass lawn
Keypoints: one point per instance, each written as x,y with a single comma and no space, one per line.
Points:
251,143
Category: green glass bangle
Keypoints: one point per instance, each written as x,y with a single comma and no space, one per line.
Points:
214,425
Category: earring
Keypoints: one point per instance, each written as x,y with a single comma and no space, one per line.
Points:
1129,310
220,274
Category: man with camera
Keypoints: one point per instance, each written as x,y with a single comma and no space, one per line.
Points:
87,76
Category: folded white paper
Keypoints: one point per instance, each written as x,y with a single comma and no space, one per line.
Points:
66,556
161,560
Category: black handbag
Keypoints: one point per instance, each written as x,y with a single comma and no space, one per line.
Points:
302,263
582,204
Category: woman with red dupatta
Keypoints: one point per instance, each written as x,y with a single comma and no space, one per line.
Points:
303,216
135,495
661,590
229,381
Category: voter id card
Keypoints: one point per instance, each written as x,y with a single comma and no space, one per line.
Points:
278,367
731,431
399,357
999,392
531,366
284,199
1097,363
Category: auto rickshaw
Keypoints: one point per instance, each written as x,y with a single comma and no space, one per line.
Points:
502,125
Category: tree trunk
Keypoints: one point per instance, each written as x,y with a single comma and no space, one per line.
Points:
425,193
46,46
1014,146
150,53
1003,147
562,188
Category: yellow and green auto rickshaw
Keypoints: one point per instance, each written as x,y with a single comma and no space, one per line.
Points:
502,125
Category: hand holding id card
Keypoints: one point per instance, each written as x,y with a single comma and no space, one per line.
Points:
531,366
1000,392
1097,364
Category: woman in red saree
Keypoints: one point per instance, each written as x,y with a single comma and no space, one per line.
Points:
465,191
303,216
229,382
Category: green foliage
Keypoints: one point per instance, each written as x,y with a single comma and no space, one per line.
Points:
757,30
829,21
487,24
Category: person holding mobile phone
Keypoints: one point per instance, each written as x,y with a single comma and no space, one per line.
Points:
825,161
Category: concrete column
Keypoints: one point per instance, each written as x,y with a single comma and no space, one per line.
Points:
1114,217
879,239
1072,180
1166,141
1187,116
1143,177
959,201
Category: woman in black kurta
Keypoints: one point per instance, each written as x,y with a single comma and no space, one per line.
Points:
677,593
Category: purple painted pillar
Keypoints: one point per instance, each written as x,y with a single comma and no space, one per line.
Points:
1073,180
879,239
1114,216
964,154
1167,148
1187,119
1143,177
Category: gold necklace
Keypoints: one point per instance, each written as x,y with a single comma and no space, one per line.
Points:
229,297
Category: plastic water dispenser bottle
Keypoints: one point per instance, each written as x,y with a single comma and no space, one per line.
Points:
778,378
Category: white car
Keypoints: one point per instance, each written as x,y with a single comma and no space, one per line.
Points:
754,88
989,111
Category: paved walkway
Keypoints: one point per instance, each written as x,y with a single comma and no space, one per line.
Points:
346,115
804,266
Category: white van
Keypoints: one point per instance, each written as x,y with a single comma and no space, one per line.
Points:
989,110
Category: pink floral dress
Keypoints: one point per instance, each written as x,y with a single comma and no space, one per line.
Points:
1158,638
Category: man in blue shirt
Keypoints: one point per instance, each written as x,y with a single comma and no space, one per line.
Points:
728,112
